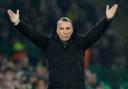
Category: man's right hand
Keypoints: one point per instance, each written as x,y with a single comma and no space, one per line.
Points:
14,17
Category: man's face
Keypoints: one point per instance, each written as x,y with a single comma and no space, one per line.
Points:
64,30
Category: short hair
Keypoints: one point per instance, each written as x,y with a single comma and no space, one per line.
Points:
66,19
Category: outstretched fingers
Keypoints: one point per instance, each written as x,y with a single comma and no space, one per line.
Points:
114,8
11,13
107,7
17,12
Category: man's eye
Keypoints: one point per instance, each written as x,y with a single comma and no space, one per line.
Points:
68,28
61,28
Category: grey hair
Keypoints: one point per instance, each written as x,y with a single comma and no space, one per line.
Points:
64,19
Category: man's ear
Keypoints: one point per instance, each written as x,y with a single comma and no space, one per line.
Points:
57,30
72,30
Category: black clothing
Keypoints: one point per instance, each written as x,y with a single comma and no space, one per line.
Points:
65,60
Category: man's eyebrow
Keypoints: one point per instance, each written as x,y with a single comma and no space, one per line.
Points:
61,27
68,27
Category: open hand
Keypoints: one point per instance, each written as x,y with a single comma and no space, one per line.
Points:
14,17
110,12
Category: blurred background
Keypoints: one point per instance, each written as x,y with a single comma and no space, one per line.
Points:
23,64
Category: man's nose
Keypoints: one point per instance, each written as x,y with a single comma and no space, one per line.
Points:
65,31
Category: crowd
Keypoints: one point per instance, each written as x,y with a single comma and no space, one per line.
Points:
17,73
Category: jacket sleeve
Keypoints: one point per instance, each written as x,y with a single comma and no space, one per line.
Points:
93,35
38,39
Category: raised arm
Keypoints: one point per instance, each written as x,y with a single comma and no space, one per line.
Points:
92,36
27,31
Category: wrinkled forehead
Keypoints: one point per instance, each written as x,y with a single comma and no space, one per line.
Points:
64,19
64,24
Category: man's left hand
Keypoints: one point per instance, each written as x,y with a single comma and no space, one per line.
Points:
110,12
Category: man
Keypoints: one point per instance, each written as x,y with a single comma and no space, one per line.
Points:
65,49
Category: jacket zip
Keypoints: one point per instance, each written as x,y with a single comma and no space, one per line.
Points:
65,44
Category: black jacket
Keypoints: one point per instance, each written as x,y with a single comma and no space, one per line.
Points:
65,60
